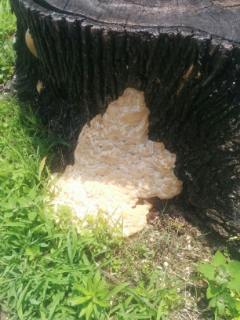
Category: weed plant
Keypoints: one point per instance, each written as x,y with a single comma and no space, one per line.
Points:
7,38
223,278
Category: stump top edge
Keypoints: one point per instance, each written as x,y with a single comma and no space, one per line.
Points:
218,17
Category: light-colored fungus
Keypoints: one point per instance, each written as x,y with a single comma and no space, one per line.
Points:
39,86
116,164
30,44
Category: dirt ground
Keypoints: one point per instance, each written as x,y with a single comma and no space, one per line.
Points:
3,316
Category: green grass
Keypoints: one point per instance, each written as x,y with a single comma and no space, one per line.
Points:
51,266
7,29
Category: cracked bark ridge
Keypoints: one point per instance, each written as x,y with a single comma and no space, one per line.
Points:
184,55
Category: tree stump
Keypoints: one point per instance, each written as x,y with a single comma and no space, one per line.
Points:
184,55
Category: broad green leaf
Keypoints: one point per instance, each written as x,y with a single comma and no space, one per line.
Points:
38,199
68,309
226,296
8,214
96,279
89,283
32,216
83,312
23,202
26,189
81,289
85,260
234,304
221,280
32,194
219,259
102,284
89,310
234,284
43,245
207,270
79,300
35,302
222,270
102,303
43,315
33,250
220,307
233,268
8,206
212,291
213,302
101,293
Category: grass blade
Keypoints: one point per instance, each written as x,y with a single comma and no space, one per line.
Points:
69,247
20,300
42,164
53,306
115,290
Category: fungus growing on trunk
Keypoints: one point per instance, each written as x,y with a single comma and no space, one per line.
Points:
30,44
115,165
39,86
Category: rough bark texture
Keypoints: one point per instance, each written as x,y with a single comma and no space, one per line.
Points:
185,56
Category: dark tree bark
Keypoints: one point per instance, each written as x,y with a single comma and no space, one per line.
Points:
185,56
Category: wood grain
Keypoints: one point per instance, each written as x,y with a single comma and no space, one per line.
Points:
219,18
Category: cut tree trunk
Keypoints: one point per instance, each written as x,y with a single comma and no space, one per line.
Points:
184,55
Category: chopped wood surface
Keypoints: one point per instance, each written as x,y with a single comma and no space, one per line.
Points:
220,17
